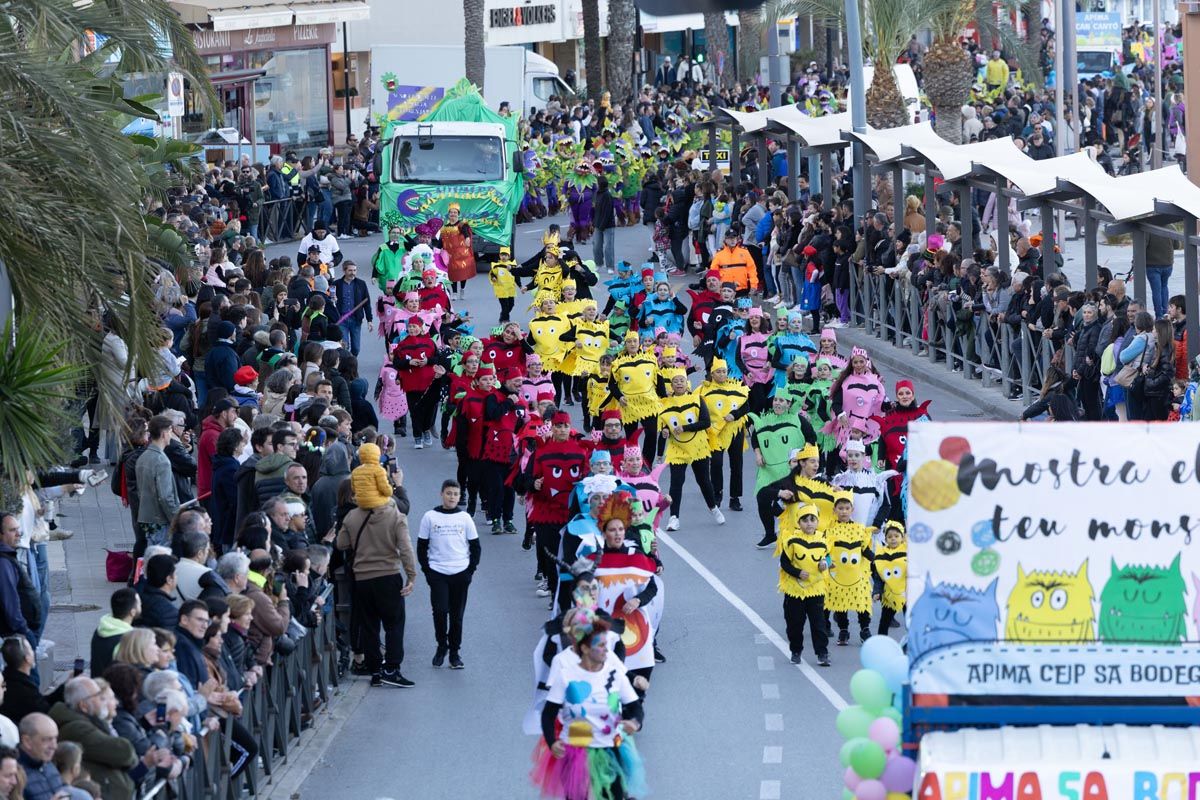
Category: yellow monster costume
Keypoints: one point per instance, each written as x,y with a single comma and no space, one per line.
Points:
598,395
636,379
804,552
891,564
504,283
683,447
849,586
591,342
545,334
722,399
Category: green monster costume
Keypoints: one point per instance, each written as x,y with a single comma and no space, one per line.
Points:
387,264
775,436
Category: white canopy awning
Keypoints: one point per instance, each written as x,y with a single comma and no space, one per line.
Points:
240,15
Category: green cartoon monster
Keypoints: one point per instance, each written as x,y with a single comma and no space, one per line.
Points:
1051,607
1144,604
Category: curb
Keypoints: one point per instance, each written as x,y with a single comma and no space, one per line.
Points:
989,401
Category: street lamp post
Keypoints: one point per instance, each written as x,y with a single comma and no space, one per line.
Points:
858,109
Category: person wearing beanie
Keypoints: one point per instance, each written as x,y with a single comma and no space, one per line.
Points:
448,551
222,360
369,480
243,393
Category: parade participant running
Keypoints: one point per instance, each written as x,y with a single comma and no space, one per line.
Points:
683,422
637,387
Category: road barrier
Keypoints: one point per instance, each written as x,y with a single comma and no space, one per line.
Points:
279,707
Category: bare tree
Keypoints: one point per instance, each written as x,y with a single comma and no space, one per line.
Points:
473,40
619,48
593,68
716,37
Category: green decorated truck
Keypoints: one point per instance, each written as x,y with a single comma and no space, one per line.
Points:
460,152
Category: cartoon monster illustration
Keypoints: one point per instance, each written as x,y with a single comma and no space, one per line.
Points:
1143,603
947,614
1051,607
1196,605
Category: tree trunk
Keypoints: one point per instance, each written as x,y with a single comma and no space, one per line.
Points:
749,41
622,30
948,86
716,36
885,104
473,41
593,68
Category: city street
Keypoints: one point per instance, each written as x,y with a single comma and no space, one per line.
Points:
726,716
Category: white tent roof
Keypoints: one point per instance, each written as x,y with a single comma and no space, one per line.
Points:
1125,198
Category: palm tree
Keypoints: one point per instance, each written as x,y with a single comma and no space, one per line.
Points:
887,25
949,71
593,69
716,43
74,240
619,47
749,43
473,41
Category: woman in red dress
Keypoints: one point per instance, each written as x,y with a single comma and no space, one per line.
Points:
460,250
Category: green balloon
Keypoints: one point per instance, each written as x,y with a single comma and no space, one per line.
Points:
847,794
848,748
870,690
854,721
868,760
894,715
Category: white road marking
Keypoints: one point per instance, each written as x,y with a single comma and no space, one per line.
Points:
768,790
770,691
772,754
773,722
831,694
760,639
766,663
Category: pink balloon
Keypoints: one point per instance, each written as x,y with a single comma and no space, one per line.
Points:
884,732
871,790
851,779
898,774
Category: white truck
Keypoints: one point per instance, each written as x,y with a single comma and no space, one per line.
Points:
512,74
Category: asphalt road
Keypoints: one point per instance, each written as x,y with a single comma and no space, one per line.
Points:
727,716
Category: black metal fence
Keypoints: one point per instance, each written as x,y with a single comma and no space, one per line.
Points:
275,711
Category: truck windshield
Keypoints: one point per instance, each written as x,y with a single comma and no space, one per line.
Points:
1095,61
448,159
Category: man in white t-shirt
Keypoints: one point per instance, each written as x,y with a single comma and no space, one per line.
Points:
331,251
448,551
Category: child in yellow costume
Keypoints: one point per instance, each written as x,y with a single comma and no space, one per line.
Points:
801,549
850,569
637,387
569,304
890,566
504,283
591,341
728,402
683,423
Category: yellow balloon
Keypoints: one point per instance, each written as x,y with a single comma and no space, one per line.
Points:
897,796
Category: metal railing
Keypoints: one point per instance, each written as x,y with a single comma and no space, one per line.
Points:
275,711
995,354
285,220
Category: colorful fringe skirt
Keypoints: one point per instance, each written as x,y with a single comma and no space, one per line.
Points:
589,773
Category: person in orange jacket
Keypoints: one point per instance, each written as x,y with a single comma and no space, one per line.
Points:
735,264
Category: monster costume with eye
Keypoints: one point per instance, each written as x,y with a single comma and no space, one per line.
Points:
502,355
848,587
622,289
805,553
891,565
685,418
722,399
1051,607
1143,603
580,189
753,359
775,437
667,314
947,614
635,379
654,502
820,412
786,347
560,465
727,345
591,342
703,303
618,323
545,336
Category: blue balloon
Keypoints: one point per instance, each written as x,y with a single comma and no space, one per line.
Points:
983,534
877,651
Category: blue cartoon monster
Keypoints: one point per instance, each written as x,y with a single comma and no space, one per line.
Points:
947,614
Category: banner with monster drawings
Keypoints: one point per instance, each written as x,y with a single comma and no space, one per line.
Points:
1055,559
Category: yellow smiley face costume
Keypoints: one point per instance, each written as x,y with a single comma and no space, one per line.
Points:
892,565
591,342
636,377
545,331
683,447
804,552
722,399
849,585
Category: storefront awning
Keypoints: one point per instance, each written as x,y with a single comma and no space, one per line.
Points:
239,15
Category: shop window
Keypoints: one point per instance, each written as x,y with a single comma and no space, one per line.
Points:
291,102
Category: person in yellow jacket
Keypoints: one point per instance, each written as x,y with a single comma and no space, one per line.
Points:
728,403
735,264
683,423
504,283
637,388
849,585
369,480
801,549
995,74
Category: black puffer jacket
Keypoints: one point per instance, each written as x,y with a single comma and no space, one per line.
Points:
1087,338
